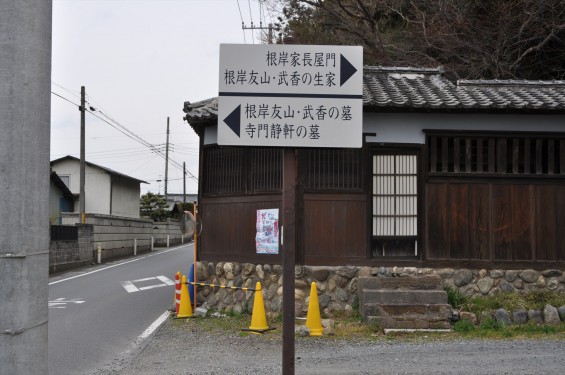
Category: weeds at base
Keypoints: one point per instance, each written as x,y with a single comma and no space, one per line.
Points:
490,328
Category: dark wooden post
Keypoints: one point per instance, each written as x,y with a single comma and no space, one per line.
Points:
288,258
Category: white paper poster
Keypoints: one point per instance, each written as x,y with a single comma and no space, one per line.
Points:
267,237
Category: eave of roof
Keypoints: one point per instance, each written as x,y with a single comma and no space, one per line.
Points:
61,185
110,171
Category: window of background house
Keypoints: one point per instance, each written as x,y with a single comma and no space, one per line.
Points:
395,204
66,180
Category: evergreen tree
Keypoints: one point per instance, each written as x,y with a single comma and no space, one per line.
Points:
154,206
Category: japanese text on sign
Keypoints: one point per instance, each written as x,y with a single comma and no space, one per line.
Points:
269,127
311,112
290,77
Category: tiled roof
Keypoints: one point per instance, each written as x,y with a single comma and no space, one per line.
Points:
428,88
201,111
398,88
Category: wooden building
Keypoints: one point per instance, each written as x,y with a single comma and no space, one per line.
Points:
466,174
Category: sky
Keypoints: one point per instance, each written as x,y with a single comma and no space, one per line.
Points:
139,61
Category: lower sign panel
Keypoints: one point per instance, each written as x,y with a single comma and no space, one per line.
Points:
290,122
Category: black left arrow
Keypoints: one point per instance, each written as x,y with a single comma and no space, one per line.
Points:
346,70
233,120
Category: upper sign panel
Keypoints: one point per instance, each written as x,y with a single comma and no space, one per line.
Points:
291,69
290,96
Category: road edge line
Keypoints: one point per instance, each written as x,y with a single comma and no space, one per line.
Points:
153,326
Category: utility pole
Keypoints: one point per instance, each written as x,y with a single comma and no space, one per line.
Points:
260,27
82,157
167,159
25,113
183,182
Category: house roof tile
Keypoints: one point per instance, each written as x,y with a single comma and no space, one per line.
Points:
407,88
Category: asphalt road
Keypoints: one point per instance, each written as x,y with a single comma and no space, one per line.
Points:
99,313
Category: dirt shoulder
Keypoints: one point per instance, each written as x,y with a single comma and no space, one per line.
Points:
203,346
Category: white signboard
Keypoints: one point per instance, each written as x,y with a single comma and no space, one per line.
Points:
290,96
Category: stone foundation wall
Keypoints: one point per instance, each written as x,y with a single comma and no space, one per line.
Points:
337,286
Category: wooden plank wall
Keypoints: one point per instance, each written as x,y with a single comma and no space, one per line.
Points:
495,221
335,228
229,228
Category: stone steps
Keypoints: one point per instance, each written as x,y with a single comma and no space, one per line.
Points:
400,296
428,282
417,302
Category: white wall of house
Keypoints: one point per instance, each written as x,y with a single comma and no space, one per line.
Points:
98,191
125,197
106,193
407,127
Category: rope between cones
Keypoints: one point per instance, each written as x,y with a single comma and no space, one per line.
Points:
224,286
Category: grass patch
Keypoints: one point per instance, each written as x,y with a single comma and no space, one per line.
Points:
464,326
539,298
491,329
491,325
455,298
513,301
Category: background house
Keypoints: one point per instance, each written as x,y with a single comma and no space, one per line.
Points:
178,198
61,199
107,192
466,174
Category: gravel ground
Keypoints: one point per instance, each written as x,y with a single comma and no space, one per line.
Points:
185,347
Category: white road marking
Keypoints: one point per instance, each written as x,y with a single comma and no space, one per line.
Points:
151,286
130,286
156,324
119,264
139,342
141,280
166,280
61,303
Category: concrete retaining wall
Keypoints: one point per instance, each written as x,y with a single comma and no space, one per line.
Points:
116,237
69,254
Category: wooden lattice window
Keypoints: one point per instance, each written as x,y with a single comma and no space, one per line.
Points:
236,170
333,169
265,169
492,154
395,204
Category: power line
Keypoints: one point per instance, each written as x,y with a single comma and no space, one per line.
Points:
128,133
251,17
72,92
242,23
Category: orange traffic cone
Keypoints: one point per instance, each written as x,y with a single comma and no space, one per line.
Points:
177,292
185,308
258,317
313,320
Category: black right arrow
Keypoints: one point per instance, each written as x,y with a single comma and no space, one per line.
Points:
346,70
233,120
